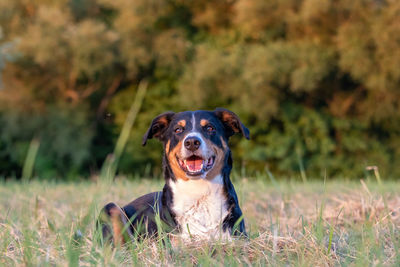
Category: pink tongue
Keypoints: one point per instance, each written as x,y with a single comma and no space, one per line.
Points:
194,163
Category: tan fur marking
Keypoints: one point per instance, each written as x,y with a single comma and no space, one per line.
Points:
176,169
163,120
204,122
223,143
117,226
167,147
182,123
226,117
219,159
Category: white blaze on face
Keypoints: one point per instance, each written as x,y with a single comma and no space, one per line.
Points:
193,164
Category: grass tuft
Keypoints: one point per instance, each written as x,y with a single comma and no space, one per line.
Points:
46,223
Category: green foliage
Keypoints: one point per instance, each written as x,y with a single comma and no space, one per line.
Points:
62,150
317,82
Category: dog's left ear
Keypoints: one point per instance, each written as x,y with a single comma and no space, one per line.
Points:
231,123
158,126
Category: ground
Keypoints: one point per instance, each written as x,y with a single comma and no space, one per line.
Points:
339,222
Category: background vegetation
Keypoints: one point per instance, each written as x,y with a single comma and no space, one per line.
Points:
316,81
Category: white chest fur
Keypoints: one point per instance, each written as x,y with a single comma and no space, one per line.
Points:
200,207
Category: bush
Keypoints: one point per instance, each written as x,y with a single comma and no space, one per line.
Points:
315,81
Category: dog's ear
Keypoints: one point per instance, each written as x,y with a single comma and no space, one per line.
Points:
231,122
158,126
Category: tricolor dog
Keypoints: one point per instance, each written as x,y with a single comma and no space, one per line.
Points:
198,199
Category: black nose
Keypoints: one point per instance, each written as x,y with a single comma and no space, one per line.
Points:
192,143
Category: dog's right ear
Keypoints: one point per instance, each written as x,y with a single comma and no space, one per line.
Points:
158,126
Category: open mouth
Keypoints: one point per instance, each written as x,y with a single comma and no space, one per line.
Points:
196,165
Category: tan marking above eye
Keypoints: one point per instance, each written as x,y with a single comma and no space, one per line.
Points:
204,122
182,123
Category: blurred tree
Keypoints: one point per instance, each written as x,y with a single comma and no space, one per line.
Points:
317,82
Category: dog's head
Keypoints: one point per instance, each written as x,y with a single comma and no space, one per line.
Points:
195,142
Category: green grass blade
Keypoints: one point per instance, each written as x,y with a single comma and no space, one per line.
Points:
110,165
29,163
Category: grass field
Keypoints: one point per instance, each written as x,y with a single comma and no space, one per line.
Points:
289,223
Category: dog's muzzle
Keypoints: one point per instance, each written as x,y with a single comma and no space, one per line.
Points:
196,165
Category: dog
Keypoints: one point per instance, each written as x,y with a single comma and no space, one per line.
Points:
198,199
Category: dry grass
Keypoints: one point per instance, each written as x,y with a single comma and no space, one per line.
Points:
290,223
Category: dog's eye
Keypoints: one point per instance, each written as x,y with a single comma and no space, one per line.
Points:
210,128
179,130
